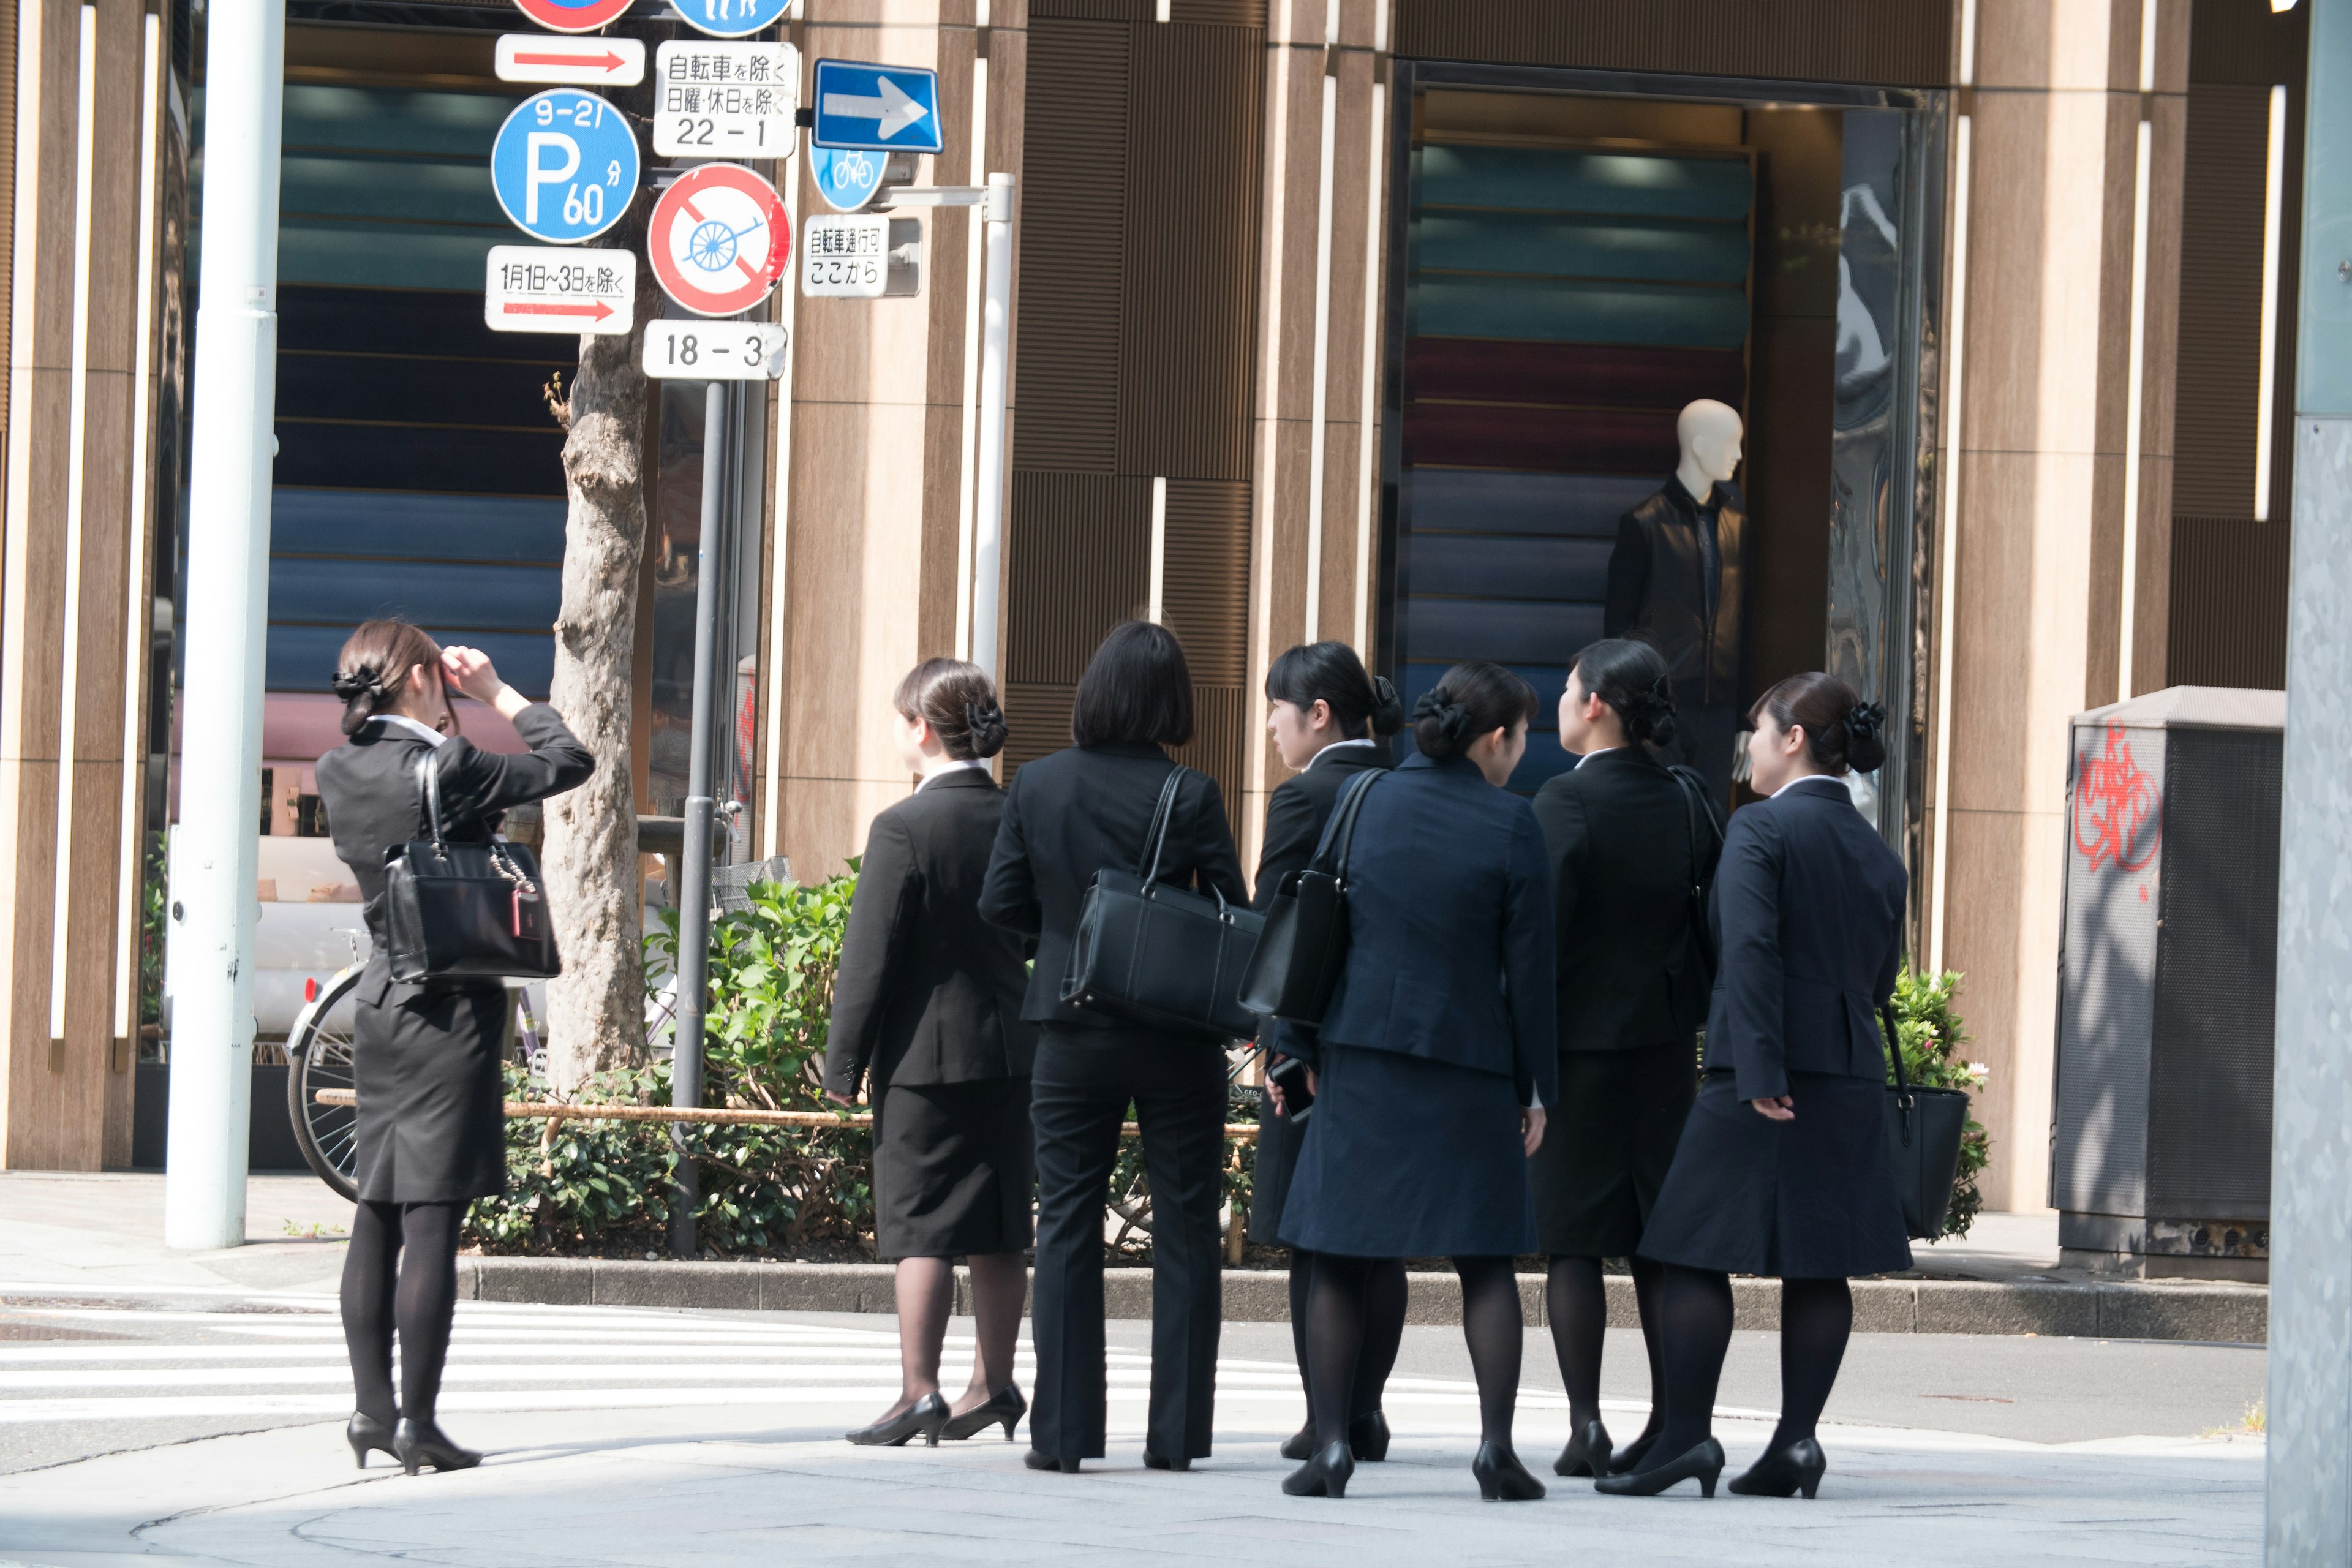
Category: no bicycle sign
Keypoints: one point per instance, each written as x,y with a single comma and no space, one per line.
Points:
718,239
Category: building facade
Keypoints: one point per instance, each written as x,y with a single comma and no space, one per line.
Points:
1362,319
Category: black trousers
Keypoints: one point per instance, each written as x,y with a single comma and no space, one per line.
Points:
1084,1081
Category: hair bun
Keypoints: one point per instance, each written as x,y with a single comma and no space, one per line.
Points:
1865,736
986,726
362,690
1436,720
1388,708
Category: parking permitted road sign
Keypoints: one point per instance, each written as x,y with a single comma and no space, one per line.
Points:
726,100
576,62
732,18
714,351
845,257
886,108
718,239
538,289
564,166
572,16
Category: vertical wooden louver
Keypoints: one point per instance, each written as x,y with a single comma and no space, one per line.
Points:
1885,43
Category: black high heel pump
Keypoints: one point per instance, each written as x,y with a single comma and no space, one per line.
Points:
927,1415
1368,1439
1005,1404
1501,1477
1702,1464
366,1432
1781,1471
416,1444
1587,1453
1324,1474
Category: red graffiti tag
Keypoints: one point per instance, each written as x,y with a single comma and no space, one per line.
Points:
2118,810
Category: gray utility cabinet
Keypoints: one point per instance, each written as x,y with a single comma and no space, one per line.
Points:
2168,984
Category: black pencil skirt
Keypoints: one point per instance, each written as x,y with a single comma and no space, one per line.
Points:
431,1126
954,1169
1608,1145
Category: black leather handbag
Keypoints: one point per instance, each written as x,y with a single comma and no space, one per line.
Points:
1923,1127
1705,832
465,912
1305,945
1161,956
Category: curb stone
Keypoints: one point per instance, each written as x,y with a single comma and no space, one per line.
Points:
2219,1313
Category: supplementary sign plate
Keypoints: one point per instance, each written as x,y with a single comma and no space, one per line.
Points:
887,109
572,16
575,62
718,239
844,257
726,100
714,351
732,18
564,165
536,288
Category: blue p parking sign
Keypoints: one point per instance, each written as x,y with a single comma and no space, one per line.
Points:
564,166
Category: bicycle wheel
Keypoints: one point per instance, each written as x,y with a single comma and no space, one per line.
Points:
319,1055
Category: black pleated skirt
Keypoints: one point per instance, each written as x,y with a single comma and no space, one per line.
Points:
1808,1199
1608,1145
955,1169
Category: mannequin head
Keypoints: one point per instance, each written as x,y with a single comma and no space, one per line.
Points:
1710,434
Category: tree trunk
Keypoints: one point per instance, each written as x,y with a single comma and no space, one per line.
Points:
595,1008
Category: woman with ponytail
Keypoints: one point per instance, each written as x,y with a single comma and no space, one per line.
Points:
1633,848
1782,1169
927,1017
1329,721
431,1128
1431,1068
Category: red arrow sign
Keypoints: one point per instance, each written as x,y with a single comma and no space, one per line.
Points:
607,61
599,309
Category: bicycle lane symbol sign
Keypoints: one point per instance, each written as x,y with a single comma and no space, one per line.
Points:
564,166
718,239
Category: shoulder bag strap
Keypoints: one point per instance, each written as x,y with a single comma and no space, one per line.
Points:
1895,1052
428,776
1146,864
1696,811
1333,854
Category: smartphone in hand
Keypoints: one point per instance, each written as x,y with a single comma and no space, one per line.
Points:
1298,1100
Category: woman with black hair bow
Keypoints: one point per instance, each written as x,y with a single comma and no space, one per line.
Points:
1782,1169
1629,842
1329,720
926,1011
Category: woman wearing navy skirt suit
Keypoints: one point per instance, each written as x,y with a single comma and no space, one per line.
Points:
1783,1169
1433,1063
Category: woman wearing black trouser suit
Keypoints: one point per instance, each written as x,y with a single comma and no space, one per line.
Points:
1329,720
1783,1169
430,1130
1433,1063
1065,817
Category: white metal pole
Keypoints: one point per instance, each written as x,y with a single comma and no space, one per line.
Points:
212,909
987,525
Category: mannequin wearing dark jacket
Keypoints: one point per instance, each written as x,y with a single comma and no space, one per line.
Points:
1677,580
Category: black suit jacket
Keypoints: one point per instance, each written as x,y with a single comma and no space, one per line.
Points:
1069,814
1618,830
1657,590
928,992
1302,804
1808,915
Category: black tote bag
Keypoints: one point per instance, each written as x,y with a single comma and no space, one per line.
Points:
465,912
1163,957
1305,945
1924,1127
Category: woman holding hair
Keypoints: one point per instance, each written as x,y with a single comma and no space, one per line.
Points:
1065,817
1783,1168
927,1010
1432,1064
1329,720
1628,841
431,1128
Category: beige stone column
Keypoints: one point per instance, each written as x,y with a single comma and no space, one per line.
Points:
871,523
2055,110
1315,512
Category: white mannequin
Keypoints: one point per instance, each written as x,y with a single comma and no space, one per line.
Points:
1709,433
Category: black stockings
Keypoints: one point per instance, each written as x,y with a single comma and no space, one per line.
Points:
1341,1331
401,1271
1382,1332
1578,1303
1695,1324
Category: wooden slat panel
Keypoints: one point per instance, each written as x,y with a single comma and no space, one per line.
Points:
1219,713
2246,41
2229,602
1204,583
1882,42
1036,721
2221,301
1080,546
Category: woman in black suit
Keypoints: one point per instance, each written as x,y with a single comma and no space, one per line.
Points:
1783,1169
1329,720
926,1007
1065,817
1433,1063
1628,844
431,1129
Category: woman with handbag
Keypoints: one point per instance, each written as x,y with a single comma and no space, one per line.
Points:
927,1009
430,1127
1632,848
1089,808
1783,1167
1432,1063
1329,720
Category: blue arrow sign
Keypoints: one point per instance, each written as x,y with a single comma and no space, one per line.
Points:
877,109
564,166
